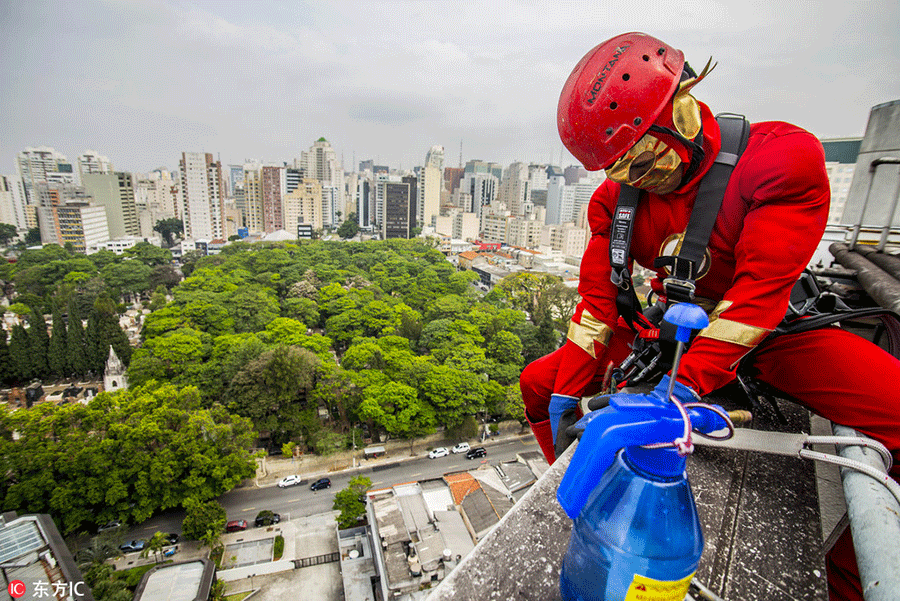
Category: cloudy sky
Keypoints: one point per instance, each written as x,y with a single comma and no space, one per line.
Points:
140,81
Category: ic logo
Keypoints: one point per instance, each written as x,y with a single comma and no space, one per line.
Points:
16,589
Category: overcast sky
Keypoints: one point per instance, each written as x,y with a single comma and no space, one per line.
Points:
140,81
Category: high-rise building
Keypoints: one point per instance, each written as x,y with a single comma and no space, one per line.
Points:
12,208
476,166
66,215
155,199
41,165
430,184
523,232
273,187
481,188
321,163
92,161
365,201
514,188
537,177
202,196
303,205
116,193
840,163
399,207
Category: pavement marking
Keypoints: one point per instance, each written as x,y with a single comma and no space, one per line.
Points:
249,509
415,475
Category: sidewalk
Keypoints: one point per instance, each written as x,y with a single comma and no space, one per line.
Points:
272,469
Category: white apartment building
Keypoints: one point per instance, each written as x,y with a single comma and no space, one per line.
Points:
115,192
82,224
202,196
523,232
566,239
431,181
155,199
482,190
514,188
41,165
495,225
92,161
321,163
12,207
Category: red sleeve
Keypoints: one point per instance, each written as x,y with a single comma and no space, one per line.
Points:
786,187
598,296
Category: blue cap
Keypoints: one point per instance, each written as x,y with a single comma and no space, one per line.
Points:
687,316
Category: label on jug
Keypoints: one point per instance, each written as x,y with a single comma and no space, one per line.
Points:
648,589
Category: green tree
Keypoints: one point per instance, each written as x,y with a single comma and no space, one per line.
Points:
149,254
168,229
102,332
77,354
349,228
6,370
21,369
396,408
201,518
7,233
453,394
155,545
57,359
128,277
350,502
164,275
33,237
38,344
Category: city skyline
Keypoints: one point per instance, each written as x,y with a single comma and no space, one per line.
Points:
141,82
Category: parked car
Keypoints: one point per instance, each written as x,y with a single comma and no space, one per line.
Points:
289,481
266,518
462,447
476,452
109,526
172,538
131,546
438,452
236,526
320,484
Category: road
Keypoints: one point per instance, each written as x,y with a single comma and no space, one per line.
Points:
300,501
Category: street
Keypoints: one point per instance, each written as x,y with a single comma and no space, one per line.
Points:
299,501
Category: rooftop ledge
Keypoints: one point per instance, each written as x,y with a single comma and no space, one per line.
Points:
760,518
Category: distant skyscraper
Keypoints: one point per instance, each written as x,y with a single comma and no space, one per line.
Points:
430,183
202,196
556,187
41,165
840,163
273,190
365,201
303,205
321,163
481,188
399,208
12,208
514,188
93,162
114,192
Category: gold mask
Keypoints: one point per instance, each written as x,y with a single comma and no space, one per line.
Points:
647,164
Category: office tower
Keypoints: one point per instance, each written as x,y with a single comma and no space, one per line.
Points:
574,173
430,184
202,196
476,166
235,179
41,165
92,162
524,232
12,208
556,189
155,199
303,205
272,187
116,193
399,207
514,191
537,177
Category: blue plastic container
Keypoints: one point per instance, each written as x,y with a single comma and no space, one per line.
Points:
638,535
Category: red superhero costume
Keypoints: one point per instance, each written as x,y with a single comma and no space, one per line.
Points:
772,218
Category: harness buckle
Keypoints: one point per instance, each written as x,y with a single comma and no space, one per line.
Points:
679,290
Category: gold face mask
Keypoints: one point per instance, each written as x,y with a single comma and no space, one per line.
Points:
653,164
647,165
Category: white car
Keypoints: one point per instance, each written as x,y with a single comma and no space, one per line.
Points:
438,452
288,481
462,447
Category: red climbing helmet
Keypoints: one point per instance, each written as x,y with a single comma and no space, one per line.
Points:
614,94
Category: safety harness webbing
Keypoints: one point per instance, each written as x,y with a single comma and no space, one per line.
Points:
685,266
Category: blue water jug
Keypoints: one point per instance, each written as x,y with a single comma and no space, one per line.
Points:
638,536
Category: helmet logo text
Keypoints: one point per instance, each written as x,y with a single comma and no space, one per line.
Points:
604,72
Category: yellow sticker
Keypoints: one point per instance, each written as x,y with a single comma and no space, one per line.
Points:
647,589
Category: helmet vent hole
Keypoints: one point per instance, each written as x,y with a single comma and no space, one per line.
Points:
661,51
626,77
609,131
637,121
645,57
613,105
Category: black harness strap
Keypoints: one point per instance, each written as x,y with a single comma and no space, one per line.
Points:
619,247
685,267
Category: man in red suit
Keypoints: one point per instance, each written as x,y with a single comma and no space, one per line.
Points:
627,108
